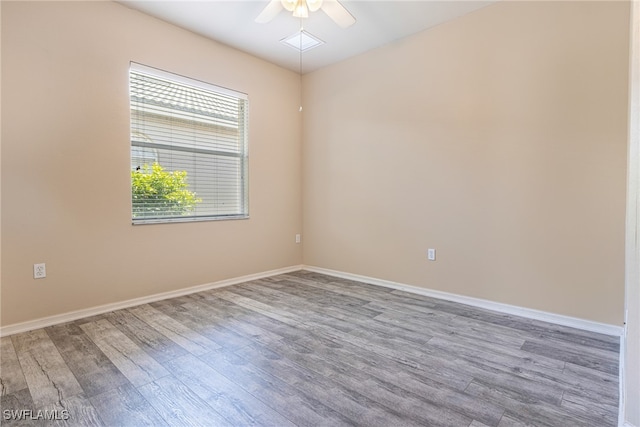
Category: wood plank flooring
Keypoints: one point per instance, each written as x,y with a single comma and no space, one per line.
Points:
305,349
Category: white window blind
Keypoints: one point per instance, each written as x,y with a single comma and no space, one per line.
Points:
188,148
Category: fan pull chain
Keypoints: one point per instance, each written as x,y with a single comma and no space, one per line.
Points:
300,47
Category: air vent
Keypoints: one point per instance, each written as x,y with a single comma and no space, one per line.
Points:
302,41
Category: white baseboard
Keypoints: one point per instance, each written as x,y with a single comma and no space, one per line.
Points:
583,324
622,395
93,311
587,325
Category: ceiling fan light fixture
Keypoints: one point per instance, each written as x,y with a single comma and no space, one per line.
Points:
290,5
301,10
314,5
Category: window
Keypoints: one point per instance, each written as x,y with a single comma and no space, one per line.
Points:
189,156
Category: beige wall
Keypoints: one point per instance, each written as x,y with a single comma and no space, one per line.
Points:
499,139
65,161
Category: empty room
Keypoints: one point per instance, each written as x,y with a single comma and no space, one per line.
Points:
320,212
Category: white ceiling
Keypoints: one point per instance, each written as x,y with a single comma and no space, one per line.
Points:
378,22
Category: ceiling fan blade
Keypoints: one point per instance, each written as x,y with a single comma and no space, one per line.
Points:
338,13
269,12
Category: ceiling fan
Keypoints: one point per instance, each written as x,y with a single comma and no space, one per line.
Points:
301,8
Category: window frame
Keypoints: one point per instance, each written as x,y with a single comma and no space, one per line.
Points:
242,154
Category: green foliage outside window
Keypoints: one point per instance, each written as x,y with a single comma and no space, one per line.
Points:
158,193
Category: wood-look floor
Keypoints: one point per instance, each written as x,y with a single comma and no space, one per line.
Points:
310,350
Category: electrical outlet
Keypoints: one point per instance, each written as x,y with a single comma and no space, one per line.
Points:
431,254
39,271
298,239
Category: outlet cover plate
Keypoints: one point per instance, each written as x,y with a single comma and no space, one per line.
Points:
39,271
